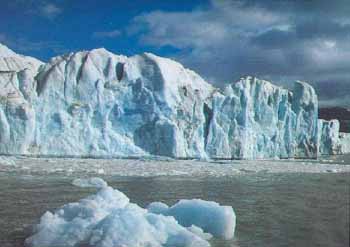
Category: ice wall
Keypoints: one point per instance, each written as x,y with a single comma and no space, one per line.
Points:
344,142
17,116
96,103
331,141
256,119
329,137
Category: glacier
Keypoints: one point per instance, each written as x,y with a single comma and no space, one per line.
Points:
331,141
98,104
108,218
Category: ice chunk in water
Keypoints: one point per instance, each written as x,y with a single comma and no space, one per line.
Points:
220,221
108,219
89,182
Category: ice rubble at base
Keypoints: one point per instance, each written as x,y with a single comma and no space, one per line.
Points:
108,219
95,103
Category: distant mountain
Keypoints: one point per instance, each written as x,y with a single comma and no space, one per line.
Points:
342,114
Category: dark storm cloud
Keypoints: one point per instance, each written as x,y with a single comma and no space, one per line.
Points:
277,40
322,28
304,9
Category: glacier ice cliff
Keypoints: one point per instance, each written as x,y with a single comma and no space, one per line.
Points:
96,103
331,141
256,119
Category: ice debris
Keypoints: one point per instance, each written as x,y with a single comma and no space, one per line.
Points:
109,219
89,182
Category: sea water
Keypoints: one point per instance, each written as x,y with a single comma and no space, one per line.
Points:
273,209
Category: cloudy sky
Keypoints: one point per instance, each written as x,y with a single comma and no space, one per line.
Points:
222,40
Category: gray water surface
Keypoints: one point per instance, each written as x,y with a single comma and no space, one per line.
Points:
272,209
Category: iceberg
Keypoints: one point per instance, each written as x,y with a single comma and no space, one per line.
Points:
219,221
98,104
109,219
89,183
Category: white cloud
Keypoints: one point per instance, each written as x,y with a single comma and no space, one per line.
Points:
202,28
23,45
49,10
217,36
107,34
229,39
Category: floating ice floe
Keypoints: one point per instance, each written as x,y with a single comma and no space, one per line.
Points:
90,182
7,161
209,216
108,219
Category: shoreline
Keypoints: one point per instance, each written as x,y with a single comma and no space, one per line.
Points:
168,167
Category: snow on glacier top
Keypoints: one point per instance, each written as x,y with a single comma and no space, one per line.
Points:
6,52
11,61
